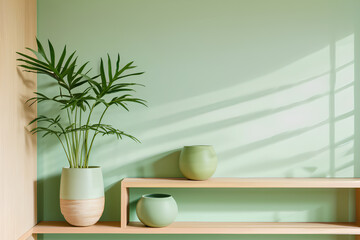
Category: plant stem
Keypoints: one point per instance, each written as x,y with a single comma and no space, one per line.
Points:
73,142
76,145
96,132
67,144
70,145
67,156
86,136
92,141
81,148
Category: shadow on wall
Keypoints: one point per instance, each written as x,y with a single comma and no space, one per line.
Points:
319,115
161,165
29,113
48,198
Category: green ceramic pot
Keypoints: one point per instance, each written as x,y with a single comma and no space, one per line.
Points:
156,210
198,162
82,195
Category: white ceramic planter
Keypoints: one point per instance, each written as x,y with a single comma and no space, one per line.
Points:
82,195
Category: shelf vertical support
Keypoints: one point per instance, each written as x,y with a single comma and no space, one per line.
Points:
124,205
357,206
357,210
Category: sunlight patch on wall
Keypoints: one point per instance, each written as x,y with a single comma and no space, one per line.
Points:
276,125
281,118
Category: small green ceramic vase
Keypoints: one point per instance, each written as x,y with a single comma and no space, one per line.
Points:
157,210
198,162
82,195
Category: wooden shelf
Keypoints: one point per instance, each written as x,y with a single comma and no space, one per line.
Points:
242,183
246,228
204,228
124,226
64,227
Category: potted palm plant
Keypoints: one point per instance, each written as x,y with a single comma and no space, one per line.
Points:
76,126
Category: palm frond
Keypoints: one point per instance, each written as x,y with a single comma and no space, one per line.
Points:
80,94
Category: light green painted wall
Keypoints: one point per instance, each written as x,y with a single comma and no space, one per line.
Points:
269,83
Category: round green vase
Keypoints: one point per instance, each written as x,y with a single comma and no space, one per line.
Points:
198,162
82,195
156,210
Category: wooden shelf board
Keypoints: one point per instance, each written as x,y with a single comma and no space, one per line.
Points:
64,227
242,183
204,228
247,228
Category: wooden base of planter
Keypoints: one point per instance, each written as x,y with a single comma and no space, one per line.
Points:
82,213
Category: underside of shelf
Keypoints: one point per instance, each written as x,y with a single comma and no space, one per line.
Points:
242,183
205,228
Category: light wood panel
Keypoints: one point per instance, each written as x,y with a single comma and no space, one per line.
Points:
205,228
17,145
242,183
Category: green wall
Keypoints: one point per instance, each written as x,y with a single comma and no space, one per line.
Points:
269,83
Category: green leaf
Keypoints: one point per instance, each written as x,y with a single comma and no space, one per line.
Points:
37,54
118,63
61,59
115,90
41,50
97,89
127,66
124,106
34,64
68,61
33,59
70,71
132,74
109,69
52,53
36,69
81,68
102,73
136,100
78,84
